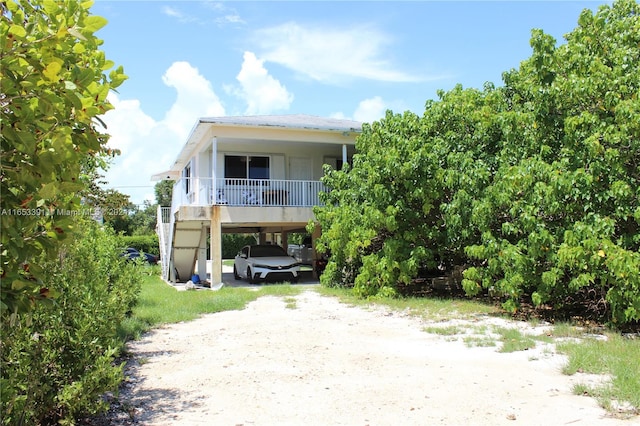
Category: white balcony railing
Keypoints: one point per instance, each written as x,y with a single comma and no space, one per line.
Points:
247,192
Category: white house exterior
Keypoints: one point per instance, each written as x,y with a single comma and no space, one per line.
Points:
248,174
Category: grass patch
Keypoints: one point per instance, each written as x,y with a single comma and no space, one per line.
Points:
450,330
566,330
290,302
615,356
160,303
514,340
479,341
437,309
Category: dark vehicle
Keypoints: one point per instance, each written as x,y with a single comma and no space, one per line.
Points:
133,254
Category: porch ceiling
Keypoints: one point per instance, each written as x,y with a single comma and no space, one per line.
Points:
267,228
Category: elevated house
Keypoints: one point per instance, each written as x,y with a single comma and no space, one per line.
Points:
248,174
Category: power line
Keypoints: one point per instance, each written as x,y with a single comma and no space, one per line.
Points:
131,186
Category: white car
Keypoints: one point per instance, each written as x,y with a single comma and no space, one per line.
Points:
265,262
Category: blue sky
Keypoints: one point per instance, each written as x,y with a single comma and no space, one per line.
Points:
189,59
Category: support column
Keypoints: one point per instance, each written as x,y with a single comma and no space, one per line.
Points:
202,255
215,245
285,240
344,155
214,171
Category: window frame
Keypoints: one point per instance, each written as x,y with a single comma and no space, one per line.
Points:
247,166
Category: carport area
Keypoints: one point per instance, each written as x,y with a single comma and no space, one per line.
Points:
195,238
306,278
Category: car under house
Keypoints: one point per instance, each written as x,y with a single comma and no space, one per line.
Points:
246,174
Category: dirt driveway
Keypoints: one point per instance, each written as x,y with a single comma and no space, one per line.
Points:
320,362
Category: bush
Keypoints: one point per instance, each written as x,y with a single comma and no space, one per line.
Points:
232,243
143,243
560,222
59,361
534,186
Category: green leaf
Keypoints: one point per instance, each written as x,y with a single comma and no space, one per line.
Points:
48,191
19,285
107,64
78,48
51,71
94,23
17,31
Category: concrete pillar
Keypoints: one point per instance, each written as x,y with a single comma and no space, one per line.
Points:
285,240
214,171
202,255
172,272
215,244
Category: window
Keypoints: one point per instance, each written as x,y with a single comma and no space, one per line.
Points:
258,167
235,166
186,174
246,167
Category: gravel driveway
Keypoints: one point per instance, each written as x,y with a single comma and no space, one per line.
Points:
321,362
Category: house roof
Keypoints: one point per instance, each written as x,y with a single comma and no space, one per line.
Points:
292,121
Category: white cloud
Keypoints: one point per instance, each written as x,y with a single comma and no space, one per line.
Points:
262,93
370,110
178,14
196,98
230,19
330,55
226,14
149,146
126,123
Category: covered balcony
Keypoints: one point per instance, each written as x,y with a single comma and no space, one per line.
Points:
246,192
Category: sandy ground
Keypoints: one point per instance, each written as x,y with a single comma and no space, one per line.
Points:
321,362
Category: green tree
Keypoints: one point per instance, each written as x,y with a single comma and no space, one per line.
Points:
405,206
54,88
116,209
561,220
164,192
534,185
144,219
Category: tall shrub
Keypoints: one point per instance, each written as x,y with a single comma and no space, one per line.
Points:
406,204
54,82
561,220
143,243
59,360
535,184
